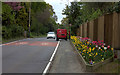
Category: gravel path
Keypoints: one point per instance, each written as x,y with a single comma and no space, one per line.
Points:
66,60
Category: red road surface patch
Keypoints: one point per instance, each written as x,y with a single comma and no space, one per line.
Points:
37,43
17,43
40,43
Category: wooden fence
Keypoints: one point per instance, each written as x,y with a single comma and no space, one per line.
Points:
105,28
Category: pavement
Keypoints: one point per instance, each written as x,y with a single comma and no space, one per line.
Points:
27,56
66,60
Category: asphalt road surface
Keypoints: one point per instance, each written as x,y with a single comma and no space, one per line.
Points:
27,56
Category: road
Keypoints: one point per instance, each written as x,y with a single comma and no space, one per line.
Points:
27,56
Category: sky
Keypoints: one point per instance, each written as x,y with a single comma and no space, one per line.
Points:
58,6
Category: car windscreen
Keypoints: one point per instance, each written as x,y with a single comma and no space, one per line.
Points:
51,33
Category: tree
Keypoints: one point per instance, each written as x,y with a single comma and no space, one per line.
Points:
10,14
7,18
15,18
81,12
43,18
16,6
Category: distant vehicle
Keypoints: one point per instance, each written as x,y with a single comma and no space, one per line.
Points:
50,35
61,34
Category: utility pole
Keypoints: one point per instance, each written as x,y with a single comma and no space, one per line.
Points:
29,17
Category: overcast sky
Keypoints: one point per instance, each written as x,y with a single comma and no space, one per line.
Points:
58,6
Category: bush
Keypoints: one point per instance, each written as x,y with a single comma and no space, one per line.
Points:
6,32
12,31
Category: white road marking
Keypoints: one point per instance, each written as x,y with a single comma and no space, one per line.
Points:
49,63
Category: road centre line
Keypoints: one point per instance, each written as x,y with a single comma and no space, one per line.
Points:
49,63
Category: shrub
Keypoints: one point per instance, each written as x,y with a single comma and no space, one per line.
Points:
12,31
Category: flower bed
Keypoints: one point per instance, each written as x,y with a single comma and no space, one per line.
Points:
92,52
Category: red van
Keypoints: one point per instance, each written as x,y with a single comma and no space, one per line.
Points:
61,34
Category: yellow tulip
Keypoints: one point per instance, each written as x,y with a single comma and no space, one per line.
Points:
96,53
111,48
89,54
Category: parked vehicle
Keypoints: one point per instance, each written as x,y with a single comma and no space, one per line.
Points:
51,35
61,34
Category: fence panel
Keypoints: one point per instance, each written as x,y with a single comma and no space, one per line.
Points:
116,32
91,30
108,28
95,30
101,28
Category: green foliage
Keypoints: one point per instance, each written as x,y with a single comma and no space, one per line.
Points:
12,31
42,20
80,12
117,7
38,6
6,32
13,24
8,15
22,19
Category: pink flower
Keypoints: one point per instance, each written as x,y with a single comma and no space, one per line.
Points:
108,46
102,45
96,46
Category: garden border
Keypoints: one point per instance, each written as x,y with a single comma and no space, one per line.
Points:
88,67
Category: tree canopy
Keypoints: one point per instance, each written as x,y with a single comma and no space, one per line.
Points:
15,18
80,12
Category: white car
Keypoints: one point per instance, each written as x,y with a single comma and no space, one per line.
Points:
51,35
